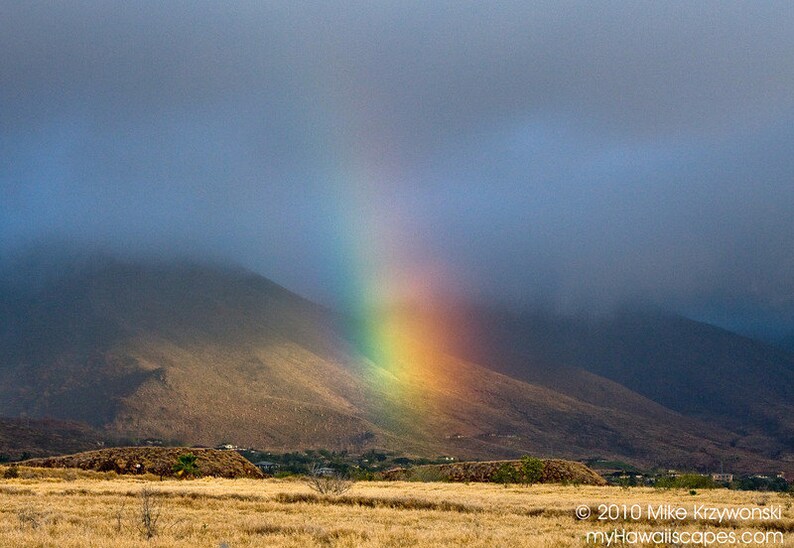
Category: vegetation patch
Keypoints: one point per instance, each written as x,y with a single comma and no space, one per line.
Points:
321,535
63,474
15,491
686,481
247,513
546,512
784,526
398,503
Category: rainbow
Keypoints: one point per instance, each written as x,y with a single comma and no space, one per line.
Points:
382,270
382,279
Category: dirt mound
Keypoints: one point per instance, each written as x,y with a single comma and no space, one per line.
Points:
554,471
566,471
153,460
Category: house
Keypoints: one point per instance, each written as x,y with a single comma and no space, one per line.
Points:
324,471
722,477
265,466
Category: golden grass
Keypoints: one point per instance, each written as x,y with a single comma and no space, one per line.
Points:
49,508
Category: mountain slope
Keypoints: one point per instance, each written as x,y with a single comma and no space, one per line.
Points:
38,438
695,369
208,355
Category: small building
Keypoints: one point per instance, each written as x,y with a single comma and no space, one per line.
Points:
324,471
722,477
266,466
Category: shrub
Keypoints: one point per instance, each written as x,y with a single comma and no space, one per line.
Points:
186,466
31,518
362,475
528,471
327,484
11,472
531,470
506,473
149,514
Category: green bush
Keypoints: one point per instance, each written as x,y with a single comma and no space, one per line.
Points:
186,466
531,470
506,473
362,475
687,481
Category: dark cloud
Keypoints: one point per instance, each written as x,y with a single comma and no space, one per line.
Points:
583,152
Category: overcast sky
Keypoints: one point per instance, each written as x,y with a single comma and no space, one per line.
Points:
578,153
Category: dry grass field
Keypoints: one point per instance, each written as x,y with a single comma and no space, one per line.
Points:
71,509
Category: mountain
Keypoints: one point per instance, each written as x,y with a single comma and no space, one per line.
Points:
695,369
206,354
20,438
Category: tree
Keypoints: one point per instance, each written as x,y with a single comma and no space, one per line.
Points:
531,470
506,473
186,466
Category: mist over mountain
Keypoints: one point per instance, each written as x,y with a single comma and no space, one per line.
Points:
579,156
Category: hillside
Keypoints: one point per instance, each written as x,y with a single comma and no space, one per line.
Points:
153,460
554,471
694,369
204,355
38,438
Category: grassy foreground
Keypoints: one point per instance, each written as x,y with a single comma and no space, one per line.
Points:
73,509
